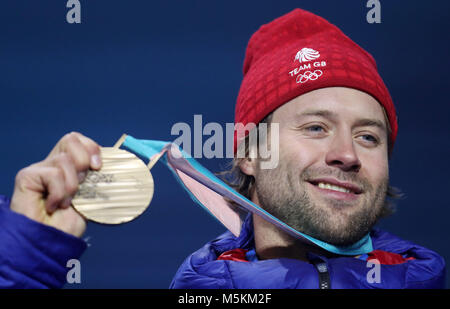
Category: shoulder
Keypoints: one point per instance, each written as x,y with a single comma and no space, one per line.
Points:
201,269
424,268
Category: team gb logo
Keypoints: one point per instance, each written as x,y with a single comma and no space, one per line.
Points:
306,54
308,69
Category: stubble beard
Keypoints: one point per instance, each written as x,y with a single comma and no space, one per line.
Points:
286,196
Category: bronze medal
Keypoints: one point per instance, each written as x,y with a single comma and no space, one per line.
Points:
117,193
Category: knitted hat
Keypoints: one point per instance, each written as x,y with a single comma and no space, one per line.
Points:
297,53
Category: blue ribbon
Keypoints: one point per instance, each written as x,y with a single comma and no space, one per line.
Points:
190,167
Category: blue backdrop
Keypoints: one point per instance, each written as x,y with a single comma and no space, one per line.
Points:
141,66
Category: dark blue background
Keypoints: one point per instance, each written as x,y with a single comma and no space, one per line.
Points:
141,66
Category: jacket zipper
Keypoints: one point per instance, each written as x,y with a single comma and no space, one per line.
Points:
324,275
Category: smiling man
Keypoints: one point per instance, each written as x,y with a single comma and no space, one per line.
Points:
332,179
337,126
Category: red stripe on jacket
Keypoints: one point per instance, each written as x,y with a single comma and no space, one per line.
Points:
384,257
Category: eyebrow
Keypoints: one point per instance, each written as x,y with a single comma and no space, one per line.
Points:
363,122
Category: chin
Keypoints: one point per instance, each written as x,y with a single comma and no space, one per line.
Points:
341,236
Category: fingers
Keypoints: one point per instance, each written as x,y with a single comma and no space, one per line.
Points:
64,163
40,189
53,180
69,161
84,152
43,188
93,150
40,180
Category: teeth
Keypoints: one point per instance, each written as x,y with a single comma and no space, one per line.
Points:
328,186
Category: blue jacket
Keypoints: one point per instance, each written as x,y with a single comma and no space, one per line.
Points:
412,266
33,255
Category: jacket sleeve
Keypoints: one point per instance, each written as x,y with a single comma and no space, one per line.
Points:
33,255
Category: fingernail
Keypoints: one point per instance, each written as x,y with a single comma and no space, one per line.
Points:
95,161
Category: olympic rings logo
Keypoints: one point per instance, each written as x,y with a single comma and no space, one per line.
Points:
308,75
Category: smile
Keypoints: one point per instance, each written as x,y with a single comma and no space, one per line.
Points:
335,189
336,185
328,186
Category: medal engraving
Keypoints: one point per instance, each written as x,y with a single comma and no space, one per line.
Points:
119,192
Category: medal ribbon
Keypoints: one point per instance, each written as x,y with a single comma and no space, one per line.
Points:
209,191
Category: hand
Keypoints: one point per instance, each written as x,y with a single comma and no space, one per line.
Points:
43,191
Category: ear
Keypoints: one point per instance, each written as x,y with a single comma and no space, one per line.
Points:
248,166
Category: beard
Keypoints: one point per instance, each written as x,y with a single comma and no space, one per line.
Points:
288,197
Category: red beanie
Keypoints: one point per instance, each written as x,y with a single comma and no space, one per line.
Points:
300,52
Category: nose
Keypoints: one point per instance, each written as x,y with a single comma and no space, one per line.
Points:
342,154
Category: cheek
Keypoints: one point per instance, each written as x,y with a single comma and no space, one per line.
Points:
298,153
376,168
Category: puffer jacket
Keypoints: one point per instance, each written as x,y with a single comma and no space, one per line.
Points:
33,255
225,263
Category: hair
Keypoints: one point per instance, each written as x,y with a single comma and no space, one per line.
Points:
244,184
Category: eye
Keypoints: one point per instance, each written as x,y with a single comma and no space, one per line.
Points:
315,128
370,138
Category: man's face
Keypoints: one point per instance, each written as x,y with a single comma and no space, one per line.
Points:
332,177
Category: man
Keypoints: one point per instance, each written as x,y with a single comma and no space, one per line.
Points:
337,126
